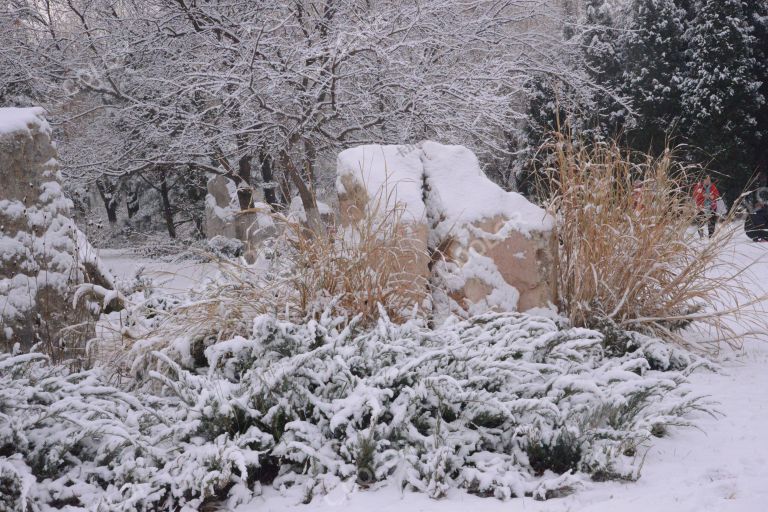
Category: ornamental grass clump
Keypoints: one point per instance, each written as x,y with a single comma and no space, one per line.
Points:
630,255
355,271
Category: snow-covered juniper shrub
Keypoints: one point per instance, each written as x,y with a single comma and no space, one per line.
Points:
500,405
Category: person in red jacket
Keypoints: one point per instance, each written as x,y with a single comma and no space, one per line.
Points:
705,194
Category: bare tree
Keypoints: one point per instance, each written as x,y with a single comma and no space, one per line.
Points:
260,91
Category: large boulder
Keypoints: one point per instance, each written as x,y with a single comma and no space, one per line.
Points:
44,257
479,248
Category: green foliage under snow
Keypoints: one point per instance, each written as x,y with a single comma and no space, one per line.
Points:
499,405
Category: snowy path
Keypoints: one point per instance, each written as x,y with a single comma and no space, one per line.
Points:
723,467
170,278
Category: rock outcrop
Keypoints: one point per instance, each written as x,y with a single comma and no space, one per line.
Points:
44,257
477,247
496,245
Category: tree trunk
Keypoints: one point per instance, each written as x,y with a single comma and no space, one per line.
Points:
310,156
132,203
244,190
167,208
108,192
307,197
268,177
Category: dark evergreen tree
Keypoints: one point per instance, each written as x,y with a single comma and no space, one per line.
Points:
602,64
721,96
654,52
757,16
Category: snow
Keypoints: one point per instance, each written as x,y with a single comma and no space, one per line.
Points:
167,278
392,176
461,194
457,191
722,466
13,119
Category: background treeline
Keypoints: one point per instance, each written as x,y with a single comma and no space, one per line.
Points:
150,98
670,72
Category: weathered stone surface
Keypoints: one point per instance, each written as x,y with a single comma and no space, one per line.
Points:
483,248
523,262
43,256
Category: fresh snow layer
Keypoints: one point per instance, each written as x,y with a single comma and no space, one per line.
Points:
463,194
176,278
13,119
723,467
392,175
443,183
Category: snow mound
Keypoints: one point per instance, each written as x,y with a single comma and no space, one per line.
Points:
13,119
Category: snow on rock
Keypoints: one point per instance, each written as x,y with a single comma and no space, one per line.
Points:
43,255
460,194
13,119
381,178
493,246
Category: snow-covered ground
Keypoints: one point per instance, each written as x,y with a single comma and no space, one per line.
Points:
723,466
169,278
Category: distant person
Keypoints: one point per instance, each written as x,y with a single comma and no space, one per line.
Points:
756,223
705,194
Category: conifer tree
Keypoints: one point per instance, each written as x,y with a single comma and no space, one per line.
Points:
602,64
653,49
721,96
757,16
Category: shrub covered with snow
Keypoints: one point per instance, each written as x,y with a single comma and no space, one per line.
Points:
224,247
43,255
500,405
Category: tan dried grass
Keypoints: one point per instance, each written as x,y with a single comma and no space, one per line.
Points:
628,253
357,271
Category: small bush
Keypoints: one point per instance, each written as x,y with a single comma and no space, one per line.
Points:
561,455
224,247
